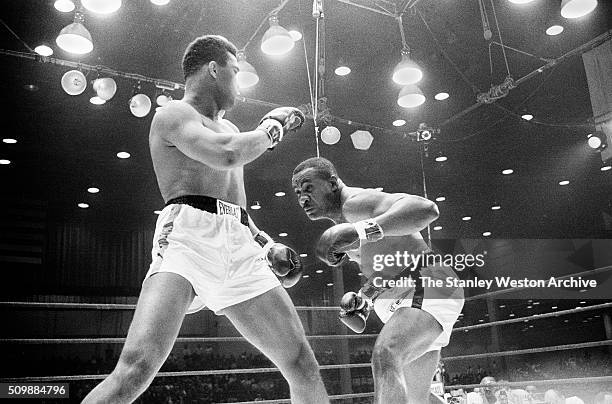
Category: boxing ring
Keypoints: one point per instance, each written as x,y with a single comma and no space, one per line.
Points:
85,307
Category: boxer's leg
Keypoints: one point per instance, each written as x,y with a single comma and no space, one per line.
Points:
161,307
271,323
405,337
419,374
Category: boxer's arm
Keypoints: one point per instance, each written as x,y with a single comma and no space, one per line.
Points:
396,214
182,128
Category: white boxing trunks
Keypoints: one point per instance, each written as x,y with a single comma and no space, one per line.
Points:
215,252
443,303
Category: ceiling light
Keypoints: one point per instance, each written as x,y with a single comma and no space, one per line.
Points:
501,306
276,41
597,140
282,234
577,8
123,155
554,308
74,82
440,198
410,96
305,276
507,171
97,100
31,87
83,205
554,30
43,50
102,6
362,139
157,212
5,162
511,315
9,141
342,70
606,167
75,38
441,157
399,122
105,88
319,271
65,6
564,182
296,35
162,100
406,71
330,284
93,190
441,96
330,135
303,255
160,2
256,205
486,233
527,117
495,207
247,75
466,218
140,105
436,228
280,193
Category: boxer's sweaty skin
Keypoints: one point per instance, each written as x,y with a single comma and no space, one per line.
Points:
178,175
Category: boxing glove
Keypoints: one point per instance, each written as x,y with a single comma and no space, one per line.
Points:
354,311
279,121
282,260
337,240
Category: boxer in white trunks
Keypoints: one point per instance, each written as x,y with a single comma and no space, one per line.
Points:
369,224
206,249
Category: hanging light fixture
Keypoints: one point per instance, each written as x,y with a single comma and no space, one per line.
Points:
577,8
410,96
102,6
406,71
247,76
74,82
105,88
277,41
140,104
330,135
65,6
75,38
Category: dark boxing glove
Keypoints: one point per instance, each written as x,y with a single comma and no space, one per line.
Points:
282,260
279,121
337,240
354,311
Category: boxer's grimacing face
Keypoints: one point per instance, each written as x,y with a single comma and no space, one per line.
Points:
314,193
227,84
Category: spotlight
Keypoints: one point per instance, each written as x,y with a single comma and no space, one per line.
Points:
440,198
123,155
83,205
606,167
554,30
105,88
97,100
437,228
399,122
9,141
362,139
406,71
330,135
160,2
74,82
441,96
247,76
495,207
597,141
93,190
527,117
140,104
342,70
277,40
466,218
65,6
279,194
162,99
296,35
75,38
256,205
282,234
410,96
5,162
440,157
486,233
102,6
564,182
577,8
43,50
507,171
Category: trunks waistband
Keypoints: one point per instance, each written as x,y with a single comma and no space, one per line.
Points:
212,205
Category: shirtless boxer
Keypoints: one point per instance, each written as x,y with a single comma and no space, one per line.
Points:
418,321
206,250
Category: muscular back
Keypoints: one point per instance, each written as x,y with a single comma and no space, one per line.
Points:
177,174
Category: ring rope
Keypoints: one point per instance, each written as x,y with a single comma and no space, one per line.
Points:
287,400
321,367
575,380
119,340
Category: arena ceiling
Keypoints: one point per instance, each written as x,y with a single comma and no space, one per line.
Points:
65,144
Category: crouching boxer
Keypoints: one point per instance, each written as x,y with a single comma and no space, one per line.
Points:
370,224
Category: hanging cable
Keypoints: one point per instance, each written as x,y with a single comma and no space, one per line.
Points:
16,36
422,151
501,41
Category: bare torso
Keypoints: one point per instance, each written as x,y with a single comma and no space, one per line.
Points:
179,175
412,244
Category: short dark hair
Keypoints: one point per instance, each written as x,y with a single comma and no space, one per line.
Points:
322,166
205,49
